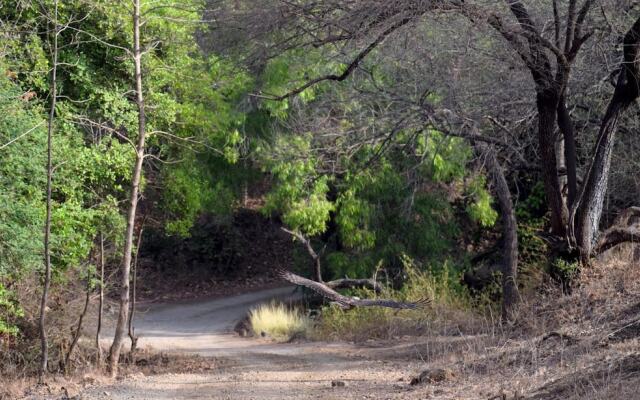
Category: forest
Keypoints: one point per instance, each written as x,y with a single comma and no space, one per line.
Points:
402,198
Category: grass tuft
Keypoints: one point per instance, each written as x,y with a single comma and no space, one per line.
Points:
278,321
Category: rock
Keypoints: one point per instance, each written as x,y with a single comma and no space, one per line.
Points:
338,384
433,376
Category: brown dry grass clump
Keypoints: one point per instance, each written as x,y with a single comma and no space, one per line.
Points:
584,345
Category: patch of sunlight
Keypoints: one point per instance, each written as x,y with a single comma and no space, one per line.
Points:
278,321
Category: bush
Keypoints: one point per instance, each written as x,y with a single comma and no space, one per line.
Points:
450,305
278,321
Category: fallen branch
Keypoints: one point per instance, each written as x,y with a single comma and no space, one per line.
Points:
625,228
345,283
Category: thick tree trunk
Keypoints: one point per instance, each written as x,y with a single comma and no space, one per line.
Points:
568,132
587,219
547,104
510,296
44,346
587,210
116,346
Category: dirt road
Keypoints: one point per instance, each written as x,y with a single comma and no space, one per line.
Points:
251,368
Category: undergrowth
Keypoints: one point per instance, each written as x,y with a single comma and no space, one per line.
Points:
451,308
278,321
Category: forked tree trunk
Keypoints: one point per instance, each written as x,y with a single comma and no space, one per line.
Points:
116,346
510,296
44,346
587,210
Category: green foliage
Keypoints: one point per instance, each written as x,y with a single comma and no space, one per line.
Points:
533,206
448,155
21,181
441,285
301,193
565,271
9,311
481,208
192,122
291,70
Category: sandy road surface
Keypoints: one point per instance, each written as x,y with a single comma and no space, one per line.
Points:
251,368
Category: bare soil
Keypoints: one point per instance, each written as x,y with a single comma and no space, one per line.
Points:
579,346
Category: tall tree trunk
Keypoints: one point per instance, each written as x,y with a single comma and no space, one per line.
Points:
116,346
510,296
568,132
587,210
44,346
100,302
547,104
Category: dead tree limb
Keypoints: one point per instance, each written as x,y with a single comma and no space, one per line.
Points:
625,228
344,283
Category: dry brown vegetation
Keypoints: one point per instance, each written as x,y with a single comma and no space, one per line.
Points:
575,346
582,345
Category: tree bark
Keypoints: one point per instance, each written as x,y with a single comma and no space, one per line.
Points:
44,346
116,346
547,104
132,329
510,296
587,210
100,303
568,132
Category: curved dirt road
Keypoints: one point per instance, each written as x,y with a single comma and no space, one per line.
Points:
203,327
252,368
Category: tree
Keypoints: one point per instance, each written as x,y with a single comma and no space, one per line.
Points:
44,347
121,324
548,51
587,209
510,296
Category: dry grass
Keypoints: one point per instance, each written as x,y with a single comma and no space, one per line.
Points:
278,321
450,312
578,346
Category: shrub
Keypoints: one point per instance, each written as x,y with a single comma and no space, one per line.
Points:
451,305
278,321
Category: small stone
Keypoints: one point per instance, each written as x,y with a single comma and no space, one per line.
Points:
338,384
